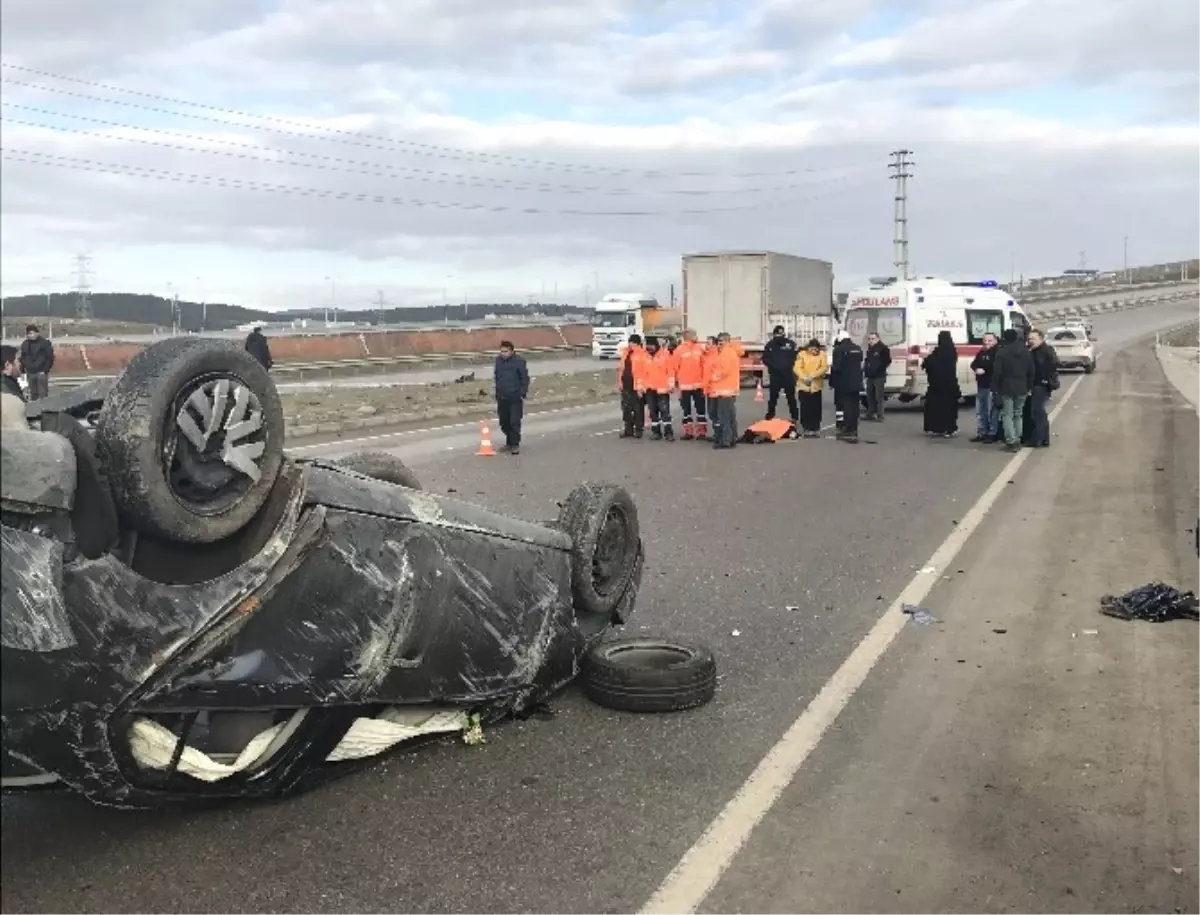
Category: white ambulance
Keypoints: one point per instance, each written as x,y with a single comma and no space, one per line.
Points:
909,315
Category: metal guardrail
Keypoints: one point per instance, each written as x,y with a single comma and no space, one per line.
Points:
332,368
1078,293
1094,308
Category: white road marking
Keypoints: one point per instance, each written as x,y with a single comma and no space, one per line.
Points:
701,867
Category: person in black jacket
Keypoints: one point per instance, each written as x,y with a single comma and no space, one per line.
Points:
779,358
1012,380
37,359
846,377
987,410
943,394
876,359
11,371
511,377
256,346
1045,383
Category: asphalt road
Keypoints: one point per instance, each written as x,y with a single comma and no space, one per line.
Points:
972,786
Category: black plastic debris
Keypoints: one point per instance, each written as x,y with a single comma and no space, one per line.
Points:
1154,603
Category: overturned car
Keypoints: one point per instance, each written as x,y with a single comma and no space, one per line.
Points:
190,614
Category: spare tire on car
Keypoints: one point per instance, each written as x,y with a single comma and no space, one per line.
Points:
649,674
379,465
602,522
191,438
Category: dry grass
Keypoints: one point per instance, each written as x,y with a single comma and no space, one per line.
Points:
337,403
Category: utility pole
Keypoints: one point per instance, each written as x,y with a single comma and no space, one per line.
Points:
83,287
203,306
901,165
1125,248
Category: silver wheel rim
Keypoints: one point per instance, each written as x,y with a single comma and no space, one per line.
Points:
224,405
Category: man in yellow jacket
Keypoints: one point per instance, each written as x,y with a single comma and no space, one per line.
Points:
811,369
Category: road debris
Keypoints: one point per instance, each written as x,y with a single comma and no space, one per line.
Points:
1155,603
920,616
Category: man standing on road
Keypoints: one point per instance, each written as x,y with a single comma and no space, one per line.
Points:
631,382
1012,380
724,381
37,360
846,372
256,346
689,361
511,383
710,354
660,380
876,359
987,412
839,343
11,371
779,359
1045,383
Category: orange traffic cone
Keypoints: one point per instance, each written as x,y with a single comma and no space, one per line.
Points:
758,394
485,440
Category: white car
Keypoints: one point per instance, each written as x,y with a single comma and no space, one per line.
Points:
1074,347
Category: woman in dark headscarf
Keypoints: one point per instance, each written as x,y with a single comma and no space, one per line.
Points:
941,400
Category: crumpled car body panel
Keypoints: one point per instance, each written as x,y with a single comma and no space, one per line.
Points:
363,595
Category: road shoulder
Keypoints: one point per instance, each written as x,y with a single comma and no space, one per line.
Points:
1025,753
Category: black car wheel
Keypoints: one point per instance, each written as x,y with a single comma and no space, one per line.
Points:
191,437
379,465
645,674
602,522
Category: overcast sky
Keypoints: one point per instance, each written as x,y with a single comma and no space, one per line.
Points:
289,152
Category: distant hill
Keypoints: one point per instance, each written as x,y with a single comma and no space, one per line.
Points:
155,310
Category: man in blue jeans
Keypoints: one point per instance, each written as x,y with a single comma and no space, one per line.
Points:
1045,383
987,408
1012,380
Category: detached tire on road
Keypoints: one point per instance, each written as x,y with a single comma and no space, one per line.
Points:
191,438
379,465
602,522
647,674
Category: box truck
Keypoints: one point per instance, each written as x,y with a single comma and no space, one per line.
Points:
747,293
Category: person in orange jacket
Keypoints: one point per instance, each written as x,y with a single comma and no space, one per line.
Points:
689,356
710,353
631,382
661,370
724,383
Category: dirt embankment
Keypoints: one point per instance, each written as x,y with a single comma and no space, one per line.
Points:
110,357
396,404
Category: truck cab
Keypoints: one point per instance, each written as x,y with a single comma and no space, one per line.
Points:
620,314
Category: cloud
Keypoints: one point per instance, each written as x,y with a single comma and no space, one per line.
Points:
395,145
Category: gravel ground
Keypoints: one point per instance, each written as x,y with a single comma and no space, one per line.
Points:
440,399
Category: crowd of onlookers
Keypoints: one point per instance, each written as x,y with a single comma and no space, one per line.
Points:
1015,379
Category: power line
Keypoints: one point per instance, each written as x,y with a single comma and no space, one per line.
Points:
426,149
902,164
374,169
136,171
